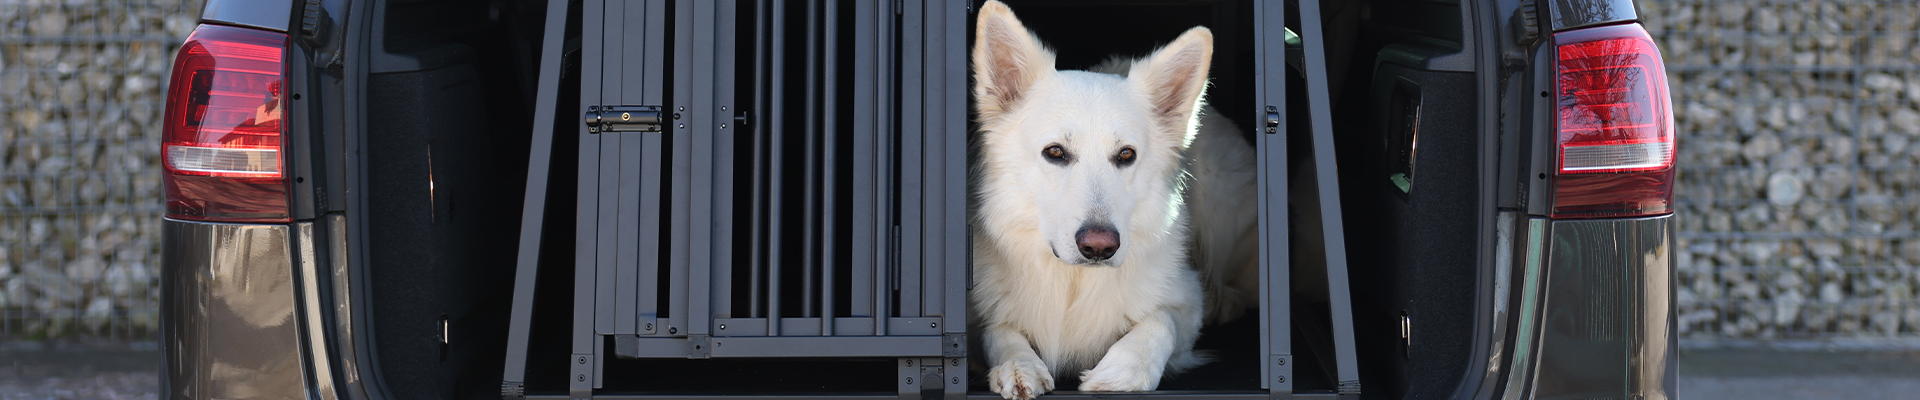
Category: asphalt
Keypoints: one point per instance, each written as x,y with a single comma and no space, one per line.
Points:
131,372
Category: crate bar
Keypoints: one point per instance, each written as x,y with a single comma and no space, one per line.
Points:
684,132
607,235
626,89
724,15
783,347
862,181
810,261
912,137
955,232
652,171
1331,228
586,213
933,251
830,162
886,225
758,250
533,213
776,129
1271,144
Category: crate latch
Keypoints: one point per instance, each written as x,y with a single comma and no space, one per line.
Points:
623,119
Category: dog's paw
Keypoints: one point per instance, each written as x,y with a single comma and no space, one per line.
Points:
1120,377
1020,379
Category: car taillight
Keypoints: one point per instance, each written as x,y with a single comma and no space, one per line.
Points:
1614,125
221,143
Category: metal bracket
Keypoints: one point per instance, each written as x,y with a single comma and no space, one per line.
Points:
510,390
1350,388
699,346
580,380
953,345
623,119
1273,119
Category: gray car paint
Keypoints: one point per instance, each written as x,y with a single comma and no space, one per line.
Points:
229,328
273,15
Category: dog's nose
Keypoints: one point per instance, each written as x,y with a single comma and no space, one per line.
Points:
1097,242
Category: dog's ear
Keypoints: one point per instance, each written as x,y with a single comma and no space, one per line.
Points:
1174,77
1007,59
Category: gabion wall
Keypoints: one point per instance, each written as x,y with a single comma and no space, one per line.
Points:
1799,186
80,101
1798,190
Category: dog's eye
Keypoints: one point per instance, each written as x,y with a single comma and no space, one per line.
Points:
1055,154
1124,157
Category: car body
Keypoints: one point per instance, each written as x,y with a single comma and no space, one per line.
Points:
404,163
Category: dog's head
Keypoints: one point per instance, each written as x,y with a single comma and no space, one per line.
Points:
1089,162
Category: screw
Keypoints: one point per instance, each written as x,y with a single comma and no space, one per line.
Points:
672,330
956,380
956,363
934,325
583,360
581,377
723,126
1283,361
909,363
683,108
649,326
1281,379
723,108
723,327
676,116
909,380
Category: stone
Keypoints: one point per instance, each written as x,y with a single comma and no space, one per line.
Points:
1784,189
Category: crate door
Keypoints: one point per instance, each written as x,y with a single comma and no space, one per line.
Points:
627,173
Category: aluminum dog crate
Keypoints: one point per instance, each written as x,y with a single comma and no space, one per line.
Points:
779,179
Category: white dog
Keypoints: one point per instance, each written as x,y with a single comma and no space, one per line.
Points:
1082,192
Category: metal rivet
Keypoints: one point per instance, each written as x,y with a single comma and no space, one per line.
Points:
723,126
1283,361
683,126
582,378
723,327
626,116
909,380
583,360
683,108
909,363
934,325
672,330
1281,379
956,380
723,108
676,116
956,361
649,326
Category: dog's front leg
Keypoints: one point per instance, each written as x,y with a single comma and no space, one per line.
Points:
1018,373
1137,360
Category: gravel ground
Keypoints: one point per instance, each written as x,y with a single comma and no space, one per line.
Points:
116,372
1746,374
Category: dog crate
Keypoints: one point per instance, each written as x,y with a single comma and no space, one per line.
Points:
783,183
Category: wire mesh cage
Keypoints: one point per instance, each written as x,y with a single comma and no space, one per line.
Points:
1798,190
80,101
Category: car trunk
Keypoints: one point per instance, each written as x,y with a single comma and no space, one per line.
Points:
801,196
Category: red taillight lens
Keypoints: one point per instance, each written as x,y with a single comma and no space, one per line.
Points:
222,139
1615,125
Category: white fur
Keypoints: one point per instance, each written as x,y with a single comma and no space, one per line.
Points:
1042,309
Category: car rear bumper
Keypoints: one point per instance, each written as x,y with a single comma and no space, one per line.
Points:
1603,326
230,311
